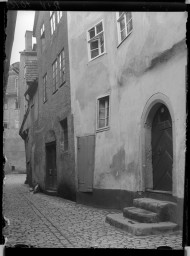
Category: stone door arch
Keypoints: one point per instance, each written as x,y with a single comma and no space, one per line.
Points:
151,124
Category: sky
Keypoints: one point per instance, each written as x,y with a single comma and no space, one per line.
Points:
25,21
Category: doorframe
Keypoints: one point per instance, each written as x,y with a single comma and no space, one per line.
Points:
46,145
148,114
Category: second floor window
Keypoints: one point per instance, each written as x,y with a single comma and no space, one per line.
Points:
61,63
54,67
45,88
124,25
96,45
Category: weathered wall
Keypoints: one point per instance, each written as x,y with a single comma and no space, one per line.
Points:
131,72
55,109
13,144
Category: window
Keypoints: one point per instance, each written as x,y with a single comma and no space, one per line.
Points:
5,125
96,41
42,36
124,25
61,64
52,21
45,88
64,126
16,124
103,112
16,83
5,104
16,104
59,16
54,66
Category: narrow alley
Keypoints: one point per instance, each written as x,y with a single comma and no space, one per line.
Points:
45,221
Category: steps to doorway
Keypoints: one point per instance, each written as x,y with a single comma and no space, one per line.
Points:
146,217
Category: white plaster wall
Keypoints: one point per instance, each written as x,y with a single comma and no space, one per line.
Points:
121,72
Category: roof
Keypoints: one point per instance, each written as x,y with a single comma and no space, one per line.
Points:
31,71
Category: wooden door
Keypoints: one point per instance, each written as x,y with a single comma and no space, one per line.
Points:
162,150
51,171
85,162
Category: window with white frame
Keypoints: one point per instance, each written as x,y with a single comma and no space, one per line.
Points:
42,36
103,112
124,25
61,64
96,44
59,16
52,21
55,80
45,88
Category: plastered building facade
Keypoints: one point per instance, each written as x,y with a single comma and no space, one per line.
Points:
141,75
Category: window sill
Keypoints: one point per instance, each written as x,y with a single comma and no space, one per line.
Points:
62,83
55,91
97,56
124,39
103,129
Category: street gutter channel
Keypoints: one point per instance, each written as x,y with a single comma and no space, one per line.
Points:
40,213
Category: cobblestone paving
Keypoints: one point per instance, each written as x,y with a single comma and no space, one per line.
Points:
43,221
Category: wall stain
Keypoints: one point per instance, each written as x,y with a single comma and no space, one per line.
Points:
118,163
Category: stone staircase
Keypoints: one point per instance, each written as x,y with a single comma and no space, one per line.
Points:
147,216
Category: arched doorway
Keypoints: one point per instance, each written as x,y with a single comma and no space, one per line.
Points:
162,149
154,118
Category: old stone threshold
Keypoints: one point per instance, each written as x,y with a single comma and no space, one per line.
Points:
158,191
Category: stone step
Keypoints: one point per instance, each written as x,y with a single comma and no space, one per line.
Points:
140,215
137,228
165,209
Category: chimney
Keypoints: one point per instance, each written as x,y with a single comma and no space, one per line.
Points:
28,40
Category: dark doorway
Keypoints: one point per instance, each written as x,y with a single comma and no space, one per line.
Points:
162,149
51,170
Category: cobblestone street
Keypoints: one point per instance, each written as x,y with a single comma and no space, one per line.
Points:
43,221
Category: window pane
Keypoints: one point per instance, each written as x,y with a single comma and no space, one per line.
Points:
99,28
102,113
92,33
122,24
102,44
120,13
94,45
101,123
128,16
123,34
129,27
94,53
